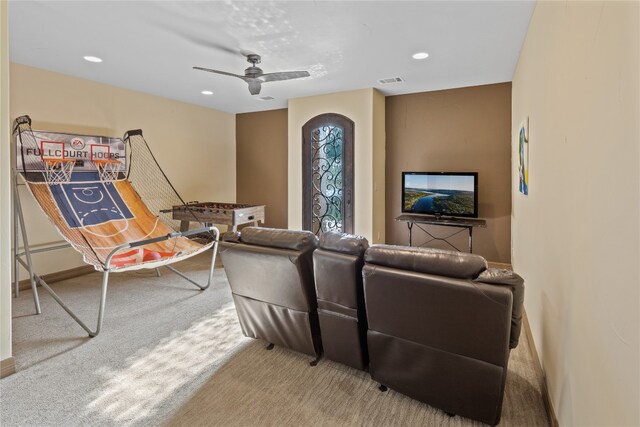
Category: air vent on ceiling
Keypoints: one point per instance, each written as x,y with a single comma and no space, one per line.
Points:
391,80
266,98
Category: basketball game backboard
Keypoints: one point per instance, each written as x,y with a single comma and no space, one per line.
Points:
52,150
100,152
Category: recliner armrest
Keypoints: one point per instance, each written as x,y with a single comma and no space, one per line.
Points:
231,237
495,276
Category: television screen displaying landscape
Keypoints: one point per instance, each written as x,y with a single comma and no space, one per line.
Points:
452,195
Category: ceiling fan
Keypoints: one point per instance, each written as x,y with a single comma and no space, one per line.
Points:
254,76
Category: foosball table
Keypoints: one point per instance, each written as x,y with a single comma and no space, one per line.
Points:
231,214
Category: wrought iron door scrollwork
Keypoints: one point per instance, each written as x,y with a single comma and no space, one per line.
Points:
327,166
326,174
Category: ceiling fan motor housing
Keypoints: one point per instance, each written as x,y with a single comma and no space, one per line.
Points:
253,72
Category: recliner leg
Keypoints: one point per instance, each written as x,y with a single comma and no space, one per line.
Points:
315,361
270,346
451,414
382,387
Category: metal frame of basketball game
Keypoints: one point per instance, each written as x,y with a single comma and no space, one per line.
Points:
19,226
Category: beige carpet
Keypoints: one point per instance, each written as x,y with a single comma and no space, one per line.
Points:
169,353
279,388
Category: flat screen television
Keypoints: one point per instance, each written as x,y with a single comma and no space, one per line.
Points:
440,193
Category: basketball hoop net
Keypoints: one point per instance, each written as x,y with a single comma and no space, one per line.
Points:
107,169
58,171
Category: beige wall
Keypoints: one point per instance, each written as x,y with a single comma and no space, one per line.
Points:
195,146
261,163
457,130
361,106
5,190
576,236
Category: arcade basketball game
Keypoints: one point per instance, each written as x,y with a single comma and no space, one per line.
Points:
105,196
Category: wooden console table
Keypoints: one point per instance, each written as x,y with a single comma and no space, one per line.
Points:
425,220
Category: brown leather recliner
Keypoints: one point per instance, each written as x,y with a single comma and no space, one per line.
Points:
337,266
271,277
441,326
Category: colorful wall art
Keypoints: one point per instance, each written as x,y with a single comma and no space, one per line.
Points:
523,156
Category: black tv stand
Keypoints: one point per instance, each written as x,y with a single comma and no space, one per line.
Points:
421,221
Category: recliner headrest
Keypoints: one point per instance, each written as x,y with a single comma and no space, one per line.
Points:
344,243
279,238
440,262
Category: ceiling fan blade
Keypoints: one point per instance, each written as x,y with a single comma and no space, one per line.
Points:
224,73
283,75
210,44
254,86
245,52
214,45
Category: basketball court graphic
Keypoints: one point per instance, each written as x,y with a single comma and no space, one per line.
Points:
87,204
119,216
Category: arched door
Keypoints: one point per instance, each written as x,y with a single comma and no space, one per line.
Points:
327,174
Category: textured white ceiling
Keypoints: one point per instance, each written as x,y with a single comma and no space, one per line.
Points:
151,46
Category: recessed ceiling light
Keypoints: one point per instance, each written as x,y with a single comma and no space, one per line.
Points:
92,59
420,55
206,92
